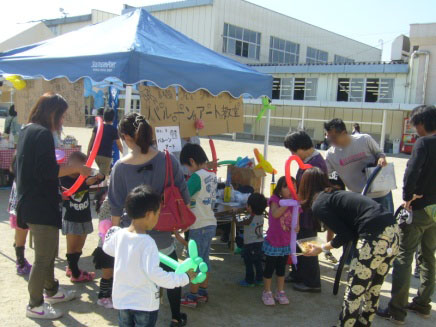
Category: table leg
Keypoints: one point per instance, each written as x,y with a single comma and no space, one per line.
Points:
233,234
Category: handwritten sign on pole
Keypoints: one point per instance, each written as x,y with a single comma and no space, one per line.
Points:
220,114
26,99
168,138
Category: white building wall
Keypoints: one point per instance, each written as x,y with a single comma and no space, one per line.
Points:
99,16
37,33
424,37
205,24
194,22
269,23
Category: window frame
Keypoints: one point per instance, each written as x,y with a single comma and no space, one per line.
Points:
276,51
242,42
315,59
364,90
289,83
343,60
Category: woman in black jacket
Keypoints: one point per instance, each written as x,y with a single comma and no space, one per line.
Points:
38,206
353,217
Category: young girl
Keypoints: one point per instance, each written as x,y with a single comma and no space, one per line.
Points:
102,260
277,244
77,222
23,266
353,217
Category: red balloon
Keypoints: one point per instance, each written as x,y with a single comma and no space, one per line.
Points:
73,189
301,165
214,157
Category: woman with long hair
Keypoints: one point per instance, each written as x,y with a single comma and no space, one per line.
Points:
353,217
145,165
38,206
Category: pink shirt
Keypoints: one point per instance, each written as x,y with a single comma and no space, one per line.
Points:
275,235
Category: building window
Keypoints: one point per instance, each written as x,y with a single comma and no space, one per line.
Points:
241,42
295,88
368,90
283,52
276,89
315,56
343,60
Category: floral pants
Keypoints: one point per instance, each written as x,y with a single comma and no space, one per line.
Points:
367,274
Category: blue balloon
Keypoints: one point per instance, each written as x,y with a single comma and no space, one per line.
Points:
98,99
87,85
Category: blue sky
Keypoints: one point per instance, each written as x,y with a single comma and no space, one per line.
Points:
368,21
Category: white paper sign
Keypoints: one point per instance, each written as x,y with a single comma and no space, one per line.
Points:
168,138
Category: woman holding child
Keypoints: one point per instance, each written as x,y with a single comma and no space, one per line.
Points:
145,166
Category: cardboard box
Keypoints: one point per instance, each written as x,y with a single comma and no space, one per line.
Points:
246,176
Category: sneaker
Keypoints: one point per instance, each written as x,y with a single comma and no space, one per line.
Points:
60,296
84,277
300,287
24,269
330,257
291,279
44,311
385,313
105,302
336,266
423,312
189,301
243,283
281,297
202,296
258,282
268,298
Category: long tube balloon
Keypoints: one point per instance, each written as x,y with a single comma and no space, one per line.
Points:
79,181
293,202
214,157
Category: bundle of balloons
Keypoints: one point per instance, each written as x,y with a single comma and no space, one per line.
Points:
194,262
294,203
17,82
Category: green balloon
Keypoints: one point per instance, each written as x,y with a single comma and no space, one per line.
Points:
193,251
227,162
201,277
193,262
170,262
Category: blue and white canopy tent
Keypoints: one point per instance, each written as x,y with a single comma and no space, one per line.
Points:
133,48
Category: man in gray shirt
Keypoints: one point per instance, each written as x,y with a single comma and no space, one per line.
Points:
349,155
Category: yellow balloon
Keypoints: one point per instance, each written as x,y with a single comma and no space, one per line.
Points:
17,82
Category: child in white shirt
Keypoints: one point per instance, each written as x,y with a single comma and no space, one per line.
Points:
137,275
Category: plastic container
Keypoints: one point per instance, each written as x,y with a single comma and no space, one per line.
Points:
303,243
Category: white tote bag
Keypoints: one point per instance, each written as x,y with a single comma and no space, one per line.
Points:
385,180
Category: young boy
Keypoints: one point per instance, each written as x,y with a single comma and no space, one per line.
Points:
202,187
137,275
77,222
253,240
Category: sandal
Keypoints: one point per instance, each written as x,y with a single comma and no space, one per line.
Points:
84,277
182,322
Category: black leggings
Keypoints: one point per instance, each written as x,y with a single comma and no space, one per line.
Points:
275,263
174,294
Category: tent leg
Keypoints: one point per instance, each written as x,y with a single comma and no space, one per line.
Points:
383,131
265,146
127,107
